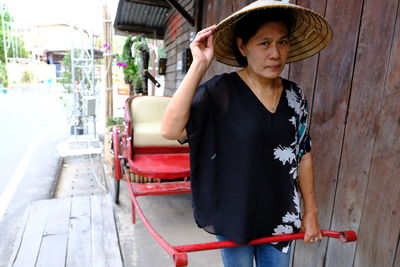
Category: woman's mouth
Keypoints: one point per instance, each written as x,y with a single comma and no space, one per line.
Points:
274,67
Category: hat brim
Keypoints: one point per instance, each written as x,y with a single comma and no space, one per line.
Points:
310,33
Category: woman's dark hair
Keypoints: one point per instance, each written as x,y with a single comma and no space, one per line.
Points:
248,26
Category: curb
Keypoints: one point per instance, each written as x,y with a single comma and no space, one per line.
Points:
60,163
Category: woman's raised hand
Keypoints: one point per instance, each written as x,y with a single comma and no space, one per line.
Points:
202,46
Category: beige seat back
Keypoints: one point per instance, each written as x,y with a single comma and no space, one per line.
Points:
147,113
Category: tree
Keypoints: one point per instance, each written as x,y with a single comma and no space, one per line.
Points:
6,16
66,79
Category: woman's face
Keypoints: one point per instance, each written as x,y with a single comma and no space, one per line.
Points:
267,50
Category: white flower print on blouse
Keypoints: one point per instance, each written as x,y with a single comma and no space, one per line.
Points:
293,121
293,172
283,229
293,100
291,219
286,249
284,154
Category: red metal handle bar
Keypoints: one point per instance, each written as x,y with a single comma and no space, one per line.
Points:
344,236
179,253
166,246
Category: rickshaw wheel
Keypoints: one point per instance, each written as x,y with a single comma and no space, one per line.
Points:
117,163
116,191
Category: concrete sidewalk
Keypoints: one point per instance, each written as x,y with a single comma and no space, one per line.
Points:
84,172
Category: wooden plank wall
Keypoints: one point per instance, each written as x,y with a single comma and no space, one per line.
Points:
328,88
355,147
175,40
353,88
380,220
213,12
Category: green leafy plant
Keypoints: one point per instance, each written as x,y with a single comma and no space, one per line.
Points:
131,62
3,74
18,41
127,62
114,121
66,78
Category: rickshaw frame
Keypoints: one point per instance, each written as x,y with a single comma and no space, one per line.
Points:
124,163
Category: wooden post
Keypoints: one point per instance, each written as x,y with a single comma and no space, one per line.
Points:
108,62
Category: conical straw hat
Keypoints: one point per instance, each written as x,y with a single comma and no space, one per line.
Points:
310,33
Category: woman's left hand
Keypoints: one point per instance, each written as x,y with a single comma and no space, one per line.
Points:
310,227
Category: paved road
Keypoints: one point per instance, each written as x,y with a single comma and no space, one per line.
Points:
32,124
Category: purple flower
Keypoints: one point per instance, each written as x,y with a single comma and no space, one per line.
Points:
106,47
122,64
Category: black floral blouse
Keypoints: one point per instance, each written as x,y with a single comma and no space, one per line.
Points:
244,159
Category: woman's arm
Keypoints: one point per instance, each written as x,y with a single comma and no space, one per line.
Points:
309,224
177,112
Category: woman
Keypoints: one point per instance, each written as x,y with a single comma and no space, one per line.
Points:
248,130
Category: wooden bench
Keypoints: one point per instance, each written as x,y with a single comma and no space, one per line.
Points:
78,231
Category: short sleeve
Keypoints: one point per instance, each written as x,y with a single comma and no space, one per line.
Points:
304,129
198,114
201,138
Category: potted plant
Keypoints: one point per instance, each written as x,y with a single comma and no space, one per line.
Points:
141,51
132,70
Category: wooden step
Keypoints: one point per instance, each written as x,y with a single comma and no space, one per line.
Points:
77,231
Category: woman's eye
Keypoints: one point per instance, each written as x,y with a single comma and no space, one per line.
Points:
285,42
264,43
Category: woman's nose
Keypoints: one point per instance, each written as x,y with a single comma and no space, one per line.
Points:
275,53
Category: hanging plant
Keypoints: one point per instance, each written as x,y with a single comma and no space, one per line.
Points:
131,67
